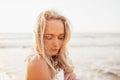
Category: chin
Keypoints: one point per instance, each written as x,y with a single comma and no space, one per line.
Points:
54,53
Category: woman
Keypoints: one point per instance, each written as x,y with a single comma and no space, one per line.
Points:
49,60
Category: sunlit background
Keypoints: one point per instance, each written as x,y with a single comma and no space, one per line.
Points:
85,15
94,45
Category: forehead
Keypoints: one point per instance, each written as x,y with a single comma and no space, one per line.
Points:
54,27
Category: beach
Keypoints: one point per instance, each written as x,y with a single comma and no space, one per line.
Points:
94,56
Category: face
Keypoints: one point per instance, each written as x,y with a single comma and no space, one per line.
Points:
53,36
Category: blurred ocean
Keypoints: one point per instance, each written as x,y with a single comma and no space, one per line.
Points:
96,56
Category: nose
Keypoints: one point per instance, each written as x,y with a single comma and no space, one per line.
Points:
56,43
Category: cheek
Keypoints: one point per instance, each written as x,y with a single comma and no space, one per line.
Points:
47,44
61,43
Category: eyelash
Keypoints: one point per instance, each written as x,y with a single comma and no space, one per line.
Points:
50,38
61,38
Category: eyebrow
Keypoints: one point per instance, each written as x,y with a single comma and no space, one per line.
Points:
53,34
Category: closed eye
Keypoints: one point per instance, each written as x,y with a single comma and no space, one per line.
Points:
61,37
48,37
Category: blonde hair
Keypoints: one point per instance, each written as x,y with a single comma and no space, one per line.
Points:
39,44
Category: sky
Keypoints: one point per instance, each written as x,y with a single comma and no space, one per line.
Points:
93,16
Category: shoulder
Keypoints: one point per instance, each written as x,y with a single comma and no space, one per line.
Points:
34,58
35,61
37,68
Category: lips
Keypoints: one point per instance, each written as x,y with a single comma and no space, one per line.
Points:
55,49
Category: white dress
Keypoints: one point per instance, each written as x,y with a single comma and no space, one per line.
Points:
59,75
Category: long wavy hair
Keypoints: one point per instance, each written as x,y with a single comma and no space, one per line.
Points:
39,40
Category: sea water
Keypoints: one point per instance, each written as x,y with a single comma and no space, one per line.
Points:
95,56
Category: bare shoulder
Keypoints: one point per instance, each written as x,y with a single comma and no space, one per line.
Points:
34,59
37,68
36,62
